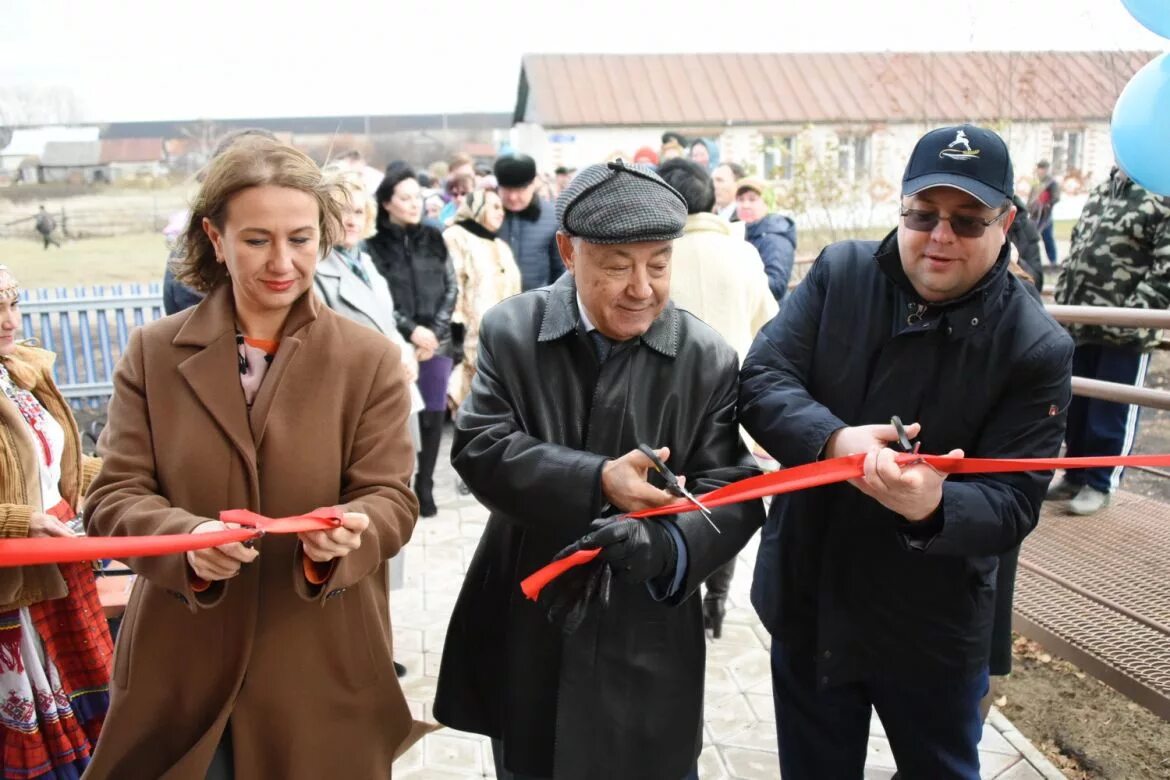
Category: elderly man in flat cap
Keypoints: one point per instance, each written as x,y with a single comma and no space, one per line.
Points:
530,224
571,379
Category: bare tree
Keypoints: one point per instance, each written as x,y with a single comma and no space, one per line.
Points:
201,138
39,105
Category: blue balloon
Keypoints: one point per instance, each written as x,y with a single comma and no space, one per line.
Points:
1141,126
1154,15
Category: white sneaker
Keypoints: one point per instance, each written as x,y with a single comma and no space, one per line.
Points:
1089,501
1062,490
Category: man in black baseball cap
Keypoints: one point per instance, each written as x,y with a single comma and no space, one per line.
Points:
881,593
966,158
964,172
603,677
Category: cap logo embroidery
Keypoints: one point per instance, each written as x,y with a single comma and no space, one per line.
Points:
954,152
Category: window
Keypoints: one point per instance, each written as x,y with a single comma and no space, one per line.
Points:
853,157
1068,152
779,157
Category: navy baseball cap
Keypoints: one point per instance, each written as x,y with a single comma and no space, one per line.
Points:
965,157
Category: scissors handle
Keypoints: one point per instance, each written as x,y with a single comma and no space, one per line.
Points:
659,466
900,429
672,485
649,452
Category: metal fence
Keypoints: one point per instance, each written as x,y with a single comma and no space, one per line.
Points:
88,329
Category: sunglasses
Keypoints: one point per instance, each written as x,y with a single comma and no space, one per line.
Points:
962,225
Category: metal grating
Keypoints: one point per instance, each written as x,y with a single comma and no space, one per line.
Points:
1121,553
1096,590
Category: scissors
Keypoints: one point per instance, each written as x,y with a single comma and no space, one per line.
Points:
906,445
673,486
903,439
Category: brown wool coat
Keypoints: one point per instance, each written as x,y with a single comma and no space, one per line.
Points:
304,674
20,482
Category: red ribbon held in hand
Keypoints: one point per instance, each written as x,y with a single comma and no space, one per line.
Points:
56,549
828,472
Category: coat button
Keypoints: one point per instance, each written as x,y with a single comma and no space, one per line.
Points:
974,321
828,654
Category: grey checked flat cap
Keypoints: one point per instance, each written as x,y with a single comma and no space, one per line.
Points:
621,203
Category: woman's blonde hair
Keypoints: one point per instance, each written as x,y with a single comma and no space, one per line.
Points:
254,161
349,185
473,206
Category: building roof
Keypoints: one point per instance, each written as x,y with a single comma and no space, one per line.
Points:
132,150
30,141
583,90
71,154
315,125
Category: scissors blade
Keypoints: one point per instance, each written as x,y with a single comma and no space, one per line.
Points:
673,486
703,509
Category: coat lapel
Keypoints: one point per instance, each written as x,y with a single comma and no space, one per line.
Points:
561,317
304,312
359,296
213,371
355,293
270,387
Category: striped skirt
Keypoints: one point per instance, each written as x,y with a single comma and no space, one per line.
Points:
55,663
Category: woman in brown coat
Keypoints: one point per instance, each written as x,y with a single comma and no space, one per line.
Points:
55,646
272,660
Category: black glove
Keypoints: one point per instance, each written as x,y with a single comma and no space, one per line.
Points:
567,598
638,550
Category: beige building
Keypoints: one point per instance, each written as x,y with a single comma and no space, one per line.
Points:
831,130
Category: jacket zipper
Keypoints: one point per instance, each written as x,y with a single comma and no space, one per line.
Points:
916,316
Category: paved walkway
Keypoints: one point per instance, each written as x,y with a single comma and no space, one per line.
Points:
740,737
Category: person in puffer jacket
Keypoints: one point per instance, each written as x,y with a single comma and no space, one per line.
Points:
530,224
773,235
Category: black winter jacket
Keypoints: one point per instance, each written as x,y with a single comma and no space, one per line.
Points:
838,575
418,269
1026,238
622,697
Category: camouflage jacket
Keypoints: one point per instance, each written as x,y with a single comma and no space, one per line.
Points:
1120,256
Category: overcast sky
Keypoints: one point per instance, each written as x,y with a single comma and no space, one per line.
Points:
154,59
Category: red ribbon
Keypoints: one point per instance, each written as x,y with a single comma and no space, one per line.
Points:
827,472
56,549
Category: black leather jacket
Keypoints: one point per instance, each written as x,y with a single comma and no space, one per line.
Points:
418,269
622,697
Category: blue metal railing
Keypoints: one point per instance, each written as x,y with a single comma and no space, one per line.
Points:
75,323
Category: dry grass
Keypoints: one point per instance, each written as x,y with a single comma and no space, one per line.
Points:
140,257
86,262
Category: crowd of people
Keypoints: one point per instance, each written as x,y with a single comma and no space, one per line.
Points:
568,325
